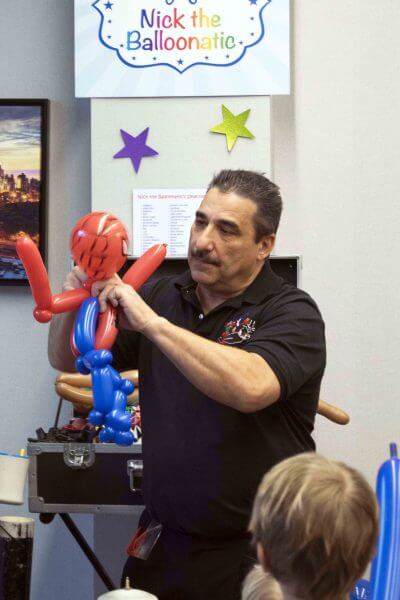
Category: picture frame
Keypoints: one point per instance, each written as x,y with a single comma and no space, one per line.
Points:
23,182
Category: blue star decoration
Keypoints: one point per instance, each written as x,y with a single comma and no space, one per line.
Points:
253,2
135,148
108,5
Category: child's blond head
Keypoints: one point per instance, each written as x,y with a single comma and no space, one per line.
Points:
317,523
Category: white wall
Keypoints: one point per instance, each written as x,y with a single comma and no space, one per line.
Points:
336,155
36,60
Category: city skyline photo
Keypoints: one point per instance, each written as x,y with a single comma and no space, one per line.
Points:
21,173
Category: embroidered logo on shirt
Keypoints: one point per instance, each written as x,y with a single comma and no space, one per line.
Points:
237,331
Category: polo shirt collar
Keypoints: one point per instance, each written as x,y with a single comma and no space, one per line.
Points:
267,283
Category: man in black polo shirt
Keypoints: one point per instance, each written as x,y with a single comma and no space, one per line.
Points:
230,360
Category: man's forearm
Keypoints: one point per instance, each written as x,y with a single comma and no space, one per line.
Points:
59,349
231,376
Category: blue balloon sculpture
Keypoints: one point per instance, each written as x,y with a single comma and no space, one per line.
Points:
110,390
362,591
385,571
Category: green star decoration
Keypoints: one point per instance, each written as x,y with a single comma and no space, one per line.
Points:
233,126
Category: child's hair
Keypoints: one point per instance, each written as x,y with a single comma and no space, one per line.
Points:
260,585
317,522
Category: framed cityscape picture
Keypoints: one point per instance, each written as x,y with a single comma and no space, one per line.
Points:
23,173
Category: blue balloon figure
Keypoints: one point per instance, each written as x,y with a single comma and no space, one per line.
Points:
110,390
362,591
385,571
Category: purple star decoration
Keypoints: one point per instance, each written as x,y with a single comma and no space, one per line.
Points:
135,148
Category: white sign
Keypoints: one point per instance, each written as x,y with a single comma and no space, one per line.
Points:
164,216
181,47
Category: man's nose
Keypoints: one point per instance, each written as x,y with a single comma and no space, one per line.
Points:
204,240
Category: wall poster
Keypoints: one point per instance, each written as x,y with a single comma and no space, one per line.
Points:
164,215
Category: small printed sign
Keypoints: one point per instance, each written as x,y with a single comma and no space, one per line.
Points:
164,216
181,43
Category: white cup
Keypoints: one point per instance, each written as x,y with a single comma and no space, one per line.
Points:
13,472
127,595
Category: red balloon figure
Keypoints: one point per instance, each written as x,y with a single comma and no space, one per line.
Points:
99,244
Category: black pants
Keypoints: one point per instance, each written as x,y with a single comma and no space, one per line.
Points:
183,568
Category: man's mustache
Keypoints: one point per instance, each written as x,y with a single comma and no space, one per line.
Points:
203,256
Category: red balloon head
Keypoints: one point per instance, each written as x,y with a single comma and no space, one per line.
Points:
99,245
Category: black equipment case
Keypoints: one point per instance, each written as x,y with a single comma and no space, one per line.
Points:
84,478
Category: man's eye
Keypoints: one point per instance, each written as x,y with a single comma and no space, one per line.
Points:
199,222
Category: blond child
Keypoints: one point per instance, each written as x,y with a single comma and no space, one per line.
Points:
315,525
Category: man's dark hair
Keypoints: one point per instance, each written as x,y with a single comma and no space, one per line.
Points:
260,190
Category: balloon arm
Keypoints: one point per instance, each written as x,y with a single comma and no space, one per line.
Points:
67,301
46,303
136,276
36,272
106,332
145,266
333,413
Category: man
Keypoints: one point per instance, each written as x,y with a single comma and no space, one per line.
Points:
230,360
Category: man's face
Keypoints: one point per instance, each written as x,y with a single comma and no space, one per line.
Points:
223,253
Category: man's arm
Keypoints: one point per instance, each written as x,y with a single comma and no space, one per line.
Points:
233,377
58,346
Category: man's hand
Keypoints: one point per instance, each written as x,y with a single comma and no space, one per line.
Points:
74,280
137,314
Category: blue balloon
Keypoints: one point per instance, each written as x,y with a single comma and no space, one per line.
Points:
107,435
118,420
124,438
81,366
99,358
385,573
385,570
110,390
85,325
96,418
362,591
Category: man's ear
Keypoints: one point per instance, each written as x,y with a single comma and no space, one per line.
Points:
266,245
262,557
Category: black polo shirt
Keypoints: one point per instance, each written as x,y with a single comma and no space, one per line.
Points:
203,461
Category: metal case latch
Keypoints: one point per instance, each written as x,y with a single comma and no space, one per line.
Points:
79,456
135,473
